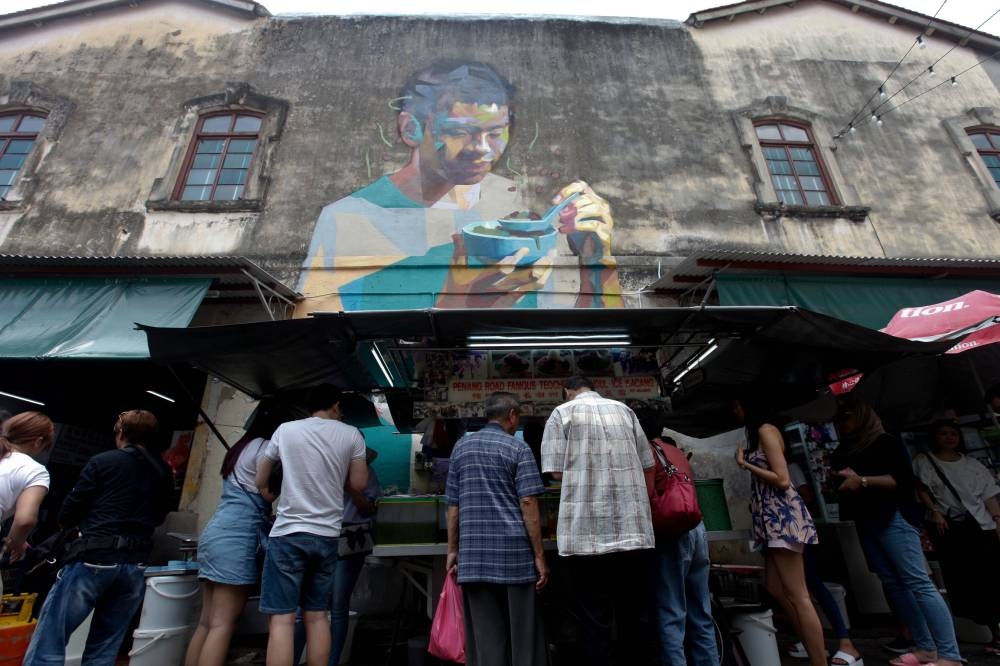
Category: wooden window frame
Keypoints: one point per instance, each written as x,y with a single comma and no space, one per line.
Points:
7,136
960,128
777,109
992,135
786,145
238,99
26,97
200,134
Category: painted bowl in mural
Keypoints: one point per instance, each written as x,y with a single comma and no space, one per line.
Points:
521,226
491,242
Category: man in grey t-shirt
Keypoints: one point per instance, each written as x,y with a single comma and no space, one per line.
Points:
318,456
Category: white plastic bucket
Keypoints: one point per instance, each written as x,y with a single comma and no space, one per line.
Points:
839,595
78,642
170,602
159,647
757,637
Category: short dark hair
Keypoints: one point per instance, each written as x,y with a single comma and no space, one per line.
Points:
498,405
322,397
446,81
651,422
992,392
577,382
953,425
140,428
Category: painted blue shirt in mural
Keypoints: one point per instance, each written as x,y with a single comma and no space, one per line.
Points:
389,251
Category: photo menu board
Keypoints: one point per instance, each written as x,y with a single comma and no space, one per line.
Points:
455,383
550,390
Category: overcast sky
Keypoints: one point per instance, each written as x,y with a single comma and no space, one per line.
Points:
969,13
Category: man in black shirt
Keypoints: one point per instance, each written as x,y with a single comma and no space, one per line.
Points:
119,499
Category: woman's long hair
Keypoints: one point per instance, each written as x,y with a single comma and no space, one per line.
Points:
23,428
756,412
266,420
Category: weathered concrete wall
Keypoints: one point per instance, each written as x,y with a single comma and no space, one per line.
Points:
641,111
822,57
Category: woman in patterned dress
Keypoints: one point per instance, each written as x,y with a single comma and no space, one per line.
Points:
782,525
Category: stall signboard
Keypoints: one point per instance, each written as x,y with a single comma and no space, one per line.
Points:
550,390
463,398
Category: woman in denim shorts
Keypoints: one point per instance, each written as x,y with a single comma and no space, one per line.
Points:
227,547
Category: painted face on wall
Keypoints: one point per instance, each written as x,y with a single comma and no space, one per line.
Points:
464,143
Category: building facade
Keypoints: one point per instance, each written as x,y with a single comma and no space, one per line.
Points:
732,158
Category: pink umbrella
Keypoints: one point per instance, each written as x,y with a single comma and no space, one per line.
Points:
912,390
972,317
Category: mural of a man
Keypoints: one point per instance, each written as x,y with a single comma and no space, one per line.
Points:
397,243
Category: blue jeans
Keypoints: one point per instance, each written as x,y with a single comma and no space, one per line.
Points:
113,591
822,594
895,556
348,570
683,605
298,572
344,579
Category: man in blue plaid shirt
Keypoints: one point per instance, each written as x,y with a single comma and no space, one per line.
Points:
495,540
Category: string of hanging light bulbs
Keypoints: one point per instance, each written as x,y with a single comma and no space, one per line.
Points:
880,91
952,79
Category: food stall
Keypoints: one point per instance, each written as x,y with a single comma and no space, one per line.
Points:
431,365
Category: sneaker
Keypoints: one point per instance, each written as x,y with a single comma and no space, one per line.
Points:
899,645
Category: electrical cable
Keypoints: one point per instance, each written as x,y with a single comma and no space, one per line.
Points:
945,80
899,62
931,67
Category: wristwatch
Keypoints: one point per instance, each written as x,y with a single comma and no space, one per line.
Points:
864,482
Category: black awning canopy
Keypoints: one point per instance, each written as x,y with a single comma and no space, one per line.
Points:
262,359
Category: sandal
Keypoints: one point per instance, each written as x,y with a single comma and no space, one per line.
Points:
846,659
910,659
797,651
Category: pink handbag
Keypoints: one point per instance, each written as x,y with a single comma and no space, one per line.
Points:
447,639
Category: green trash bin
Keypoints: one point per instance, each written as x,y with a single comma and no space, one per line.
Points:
712,500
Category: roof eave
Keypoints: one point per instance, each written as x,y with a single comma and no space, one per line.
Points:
702,266
240,268
72,8
963,35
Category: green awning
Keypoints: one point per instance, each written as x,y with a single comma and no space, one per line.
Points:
50,318
868,301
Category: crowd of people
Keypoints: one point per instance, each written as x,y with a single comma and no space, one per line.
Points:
299,497
879,487
599,450
107,519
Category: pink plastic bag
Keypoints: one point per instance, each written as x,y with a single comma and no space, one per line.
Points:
448,628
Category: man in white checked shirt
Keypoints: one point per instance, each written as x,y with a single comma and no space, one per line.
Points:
597,448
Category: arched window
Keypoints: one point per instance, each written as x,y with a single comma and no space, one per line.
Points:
793,163
987,143
18,133
220,157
